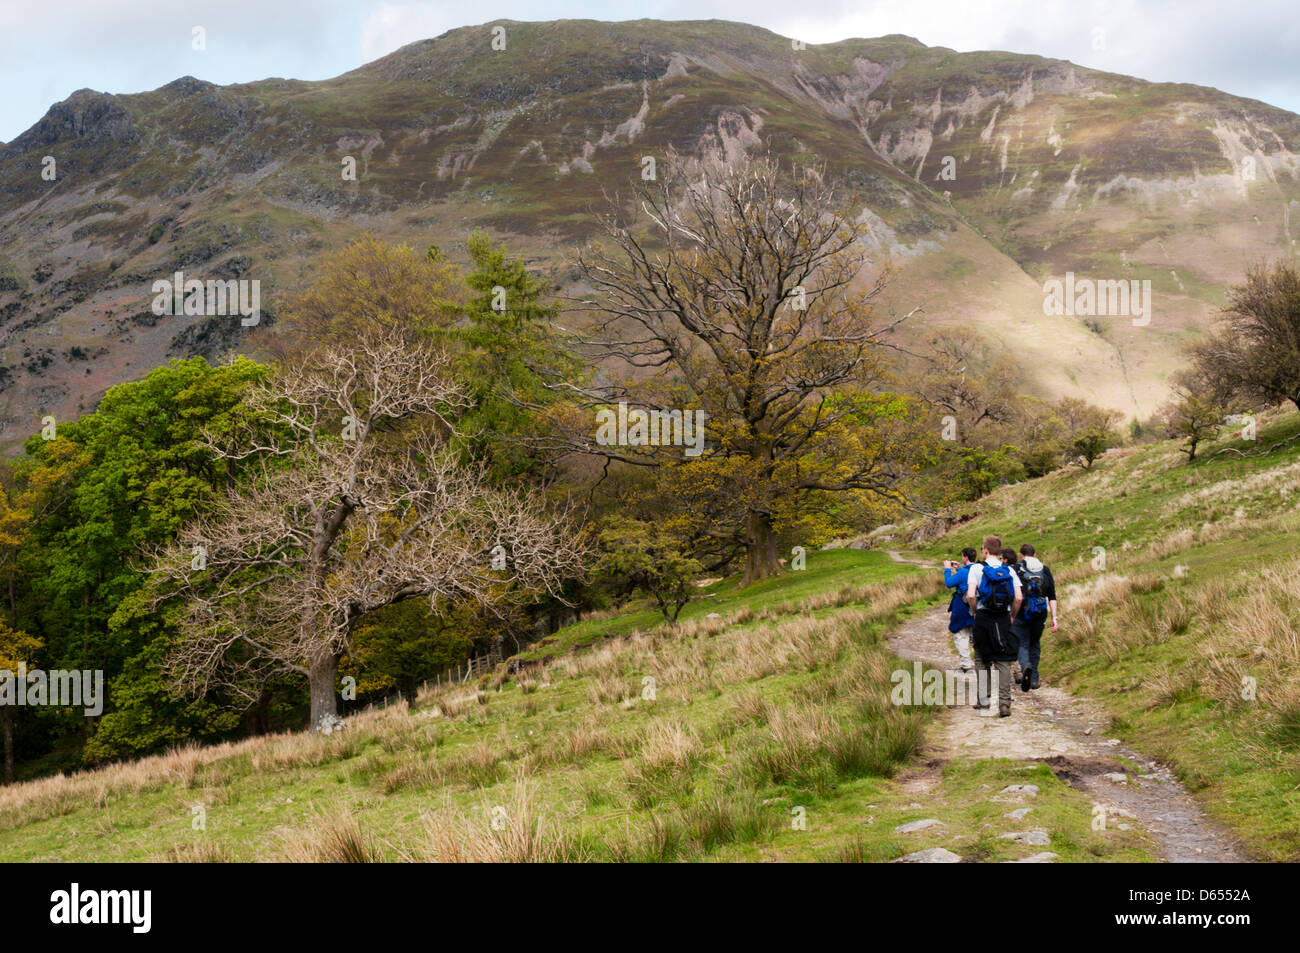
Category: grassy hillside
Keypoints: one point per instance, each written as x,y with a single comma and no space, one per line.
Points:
1197,595
774,711
761,728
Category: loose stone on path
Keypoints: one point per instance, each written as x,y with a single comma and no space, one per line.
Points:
935,855
1035,838
913,826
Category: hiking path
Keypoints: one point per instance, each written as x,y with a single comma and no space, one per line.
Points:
1051,726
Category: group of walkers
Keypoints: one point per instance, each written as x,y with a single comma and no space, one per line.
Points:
1000,606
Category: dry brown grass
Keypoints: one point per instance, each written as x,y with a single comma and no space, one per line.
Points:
44,798
880,598
203,851
669,747
608,688
584,740
1257,637
1170,686
413,772
513,832
329,838
193,766
479,764
667,754
1179,541
799,732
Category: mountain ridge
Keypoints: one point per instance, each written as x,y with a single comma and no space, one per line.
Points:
1056,167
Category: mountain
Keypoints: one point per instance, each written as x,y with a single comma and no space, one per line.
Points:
982,176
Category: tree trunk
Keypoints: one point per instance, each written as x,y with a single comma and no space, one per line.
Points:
322,673
410,689
7,719
760,548
263,713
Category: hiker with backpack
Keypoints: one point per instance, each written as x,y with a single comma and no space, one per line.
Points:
1039,590
993,595
960,620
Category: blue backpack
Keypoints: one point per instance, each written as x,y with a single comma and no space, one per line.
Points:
996,590
1032,584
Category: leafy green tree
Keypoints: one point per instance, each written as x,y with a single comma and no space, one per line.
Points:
368,286
1089,430
16,648
981,471
511,354
401,644
1192,416
147,716
637,555
141,471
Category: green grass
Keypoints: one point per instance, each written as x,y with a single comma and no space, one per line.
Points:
828,571
783,703
768,734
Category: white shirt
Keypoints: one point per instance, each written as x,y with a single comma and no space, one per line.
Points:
977,573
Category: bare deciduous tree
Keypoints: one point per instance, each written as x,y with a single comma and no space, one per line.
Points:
1254,356
743,301
350,501
965,379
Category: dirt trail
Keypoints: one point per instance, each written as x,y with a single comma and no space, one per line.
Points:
1051,726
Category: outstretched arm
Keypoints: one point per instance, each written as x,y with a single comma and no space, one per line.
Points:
1051,595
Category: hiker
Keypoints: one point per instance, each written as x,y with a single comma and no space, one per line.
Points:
993,594
1039,589
960,620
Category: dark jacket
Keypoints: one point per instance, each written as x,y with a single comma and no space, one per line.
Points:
959,610
994,638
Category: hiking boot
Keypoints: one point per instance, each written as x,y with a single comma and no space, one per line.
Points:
1026,676
978,705
1033,682
1004,712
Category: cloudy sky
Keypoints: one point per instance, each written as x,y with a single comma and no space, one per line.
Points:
49,49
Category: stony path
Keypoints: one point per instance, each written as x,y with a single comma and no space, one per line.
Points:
1051,726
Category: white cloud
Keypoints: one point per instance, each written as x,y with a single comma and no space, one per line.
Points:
393,25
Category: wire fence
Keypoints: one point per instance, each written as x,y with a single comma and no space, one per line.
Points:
466,671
